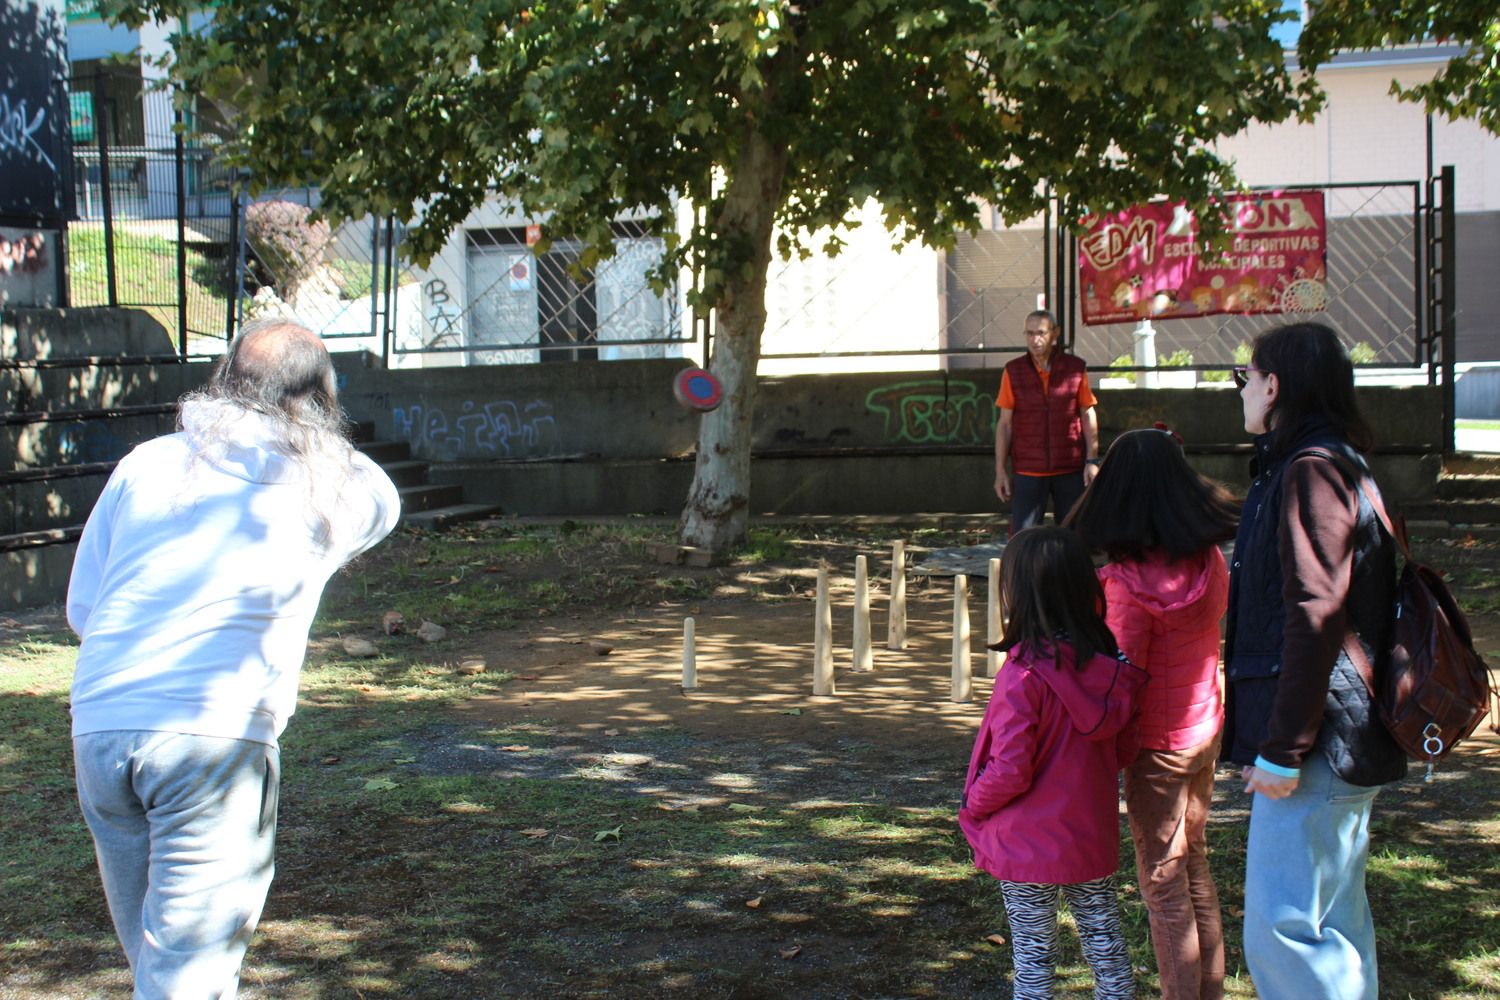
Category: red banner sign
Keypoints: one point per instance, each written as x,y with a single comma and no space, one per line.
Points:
1146,262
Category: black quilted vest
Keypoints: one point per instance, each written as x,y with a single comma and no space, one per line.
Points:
1352,738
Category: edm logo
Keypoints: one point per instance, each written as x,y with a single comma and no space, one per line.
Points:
1114,242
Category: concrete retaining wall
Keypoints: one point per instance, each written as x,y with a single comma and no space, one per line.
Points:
592,438
608,437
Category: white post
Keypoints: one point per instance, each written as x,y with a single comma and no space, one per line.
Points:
823,639
963,676
895,626
689,656
1145,353
993,658
863,659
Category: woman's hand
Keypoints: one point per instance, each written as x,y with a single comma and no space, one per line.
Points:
1272,786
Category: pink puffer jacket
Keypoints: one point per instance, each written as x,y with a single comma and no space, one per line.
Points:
1165,615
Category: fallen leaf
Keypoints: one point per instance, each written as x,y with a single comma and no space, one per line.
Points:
492,569
754,904
610,834
456,578
995,938
331,760
404,760
611,732
790,953
379,784
792,711
515,748
534,832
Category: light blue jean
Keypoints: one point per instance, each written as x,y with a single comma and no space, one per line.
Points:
184,828
1309,934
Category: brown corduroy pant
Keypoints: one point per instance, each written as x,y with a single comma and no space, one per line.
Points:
1167,793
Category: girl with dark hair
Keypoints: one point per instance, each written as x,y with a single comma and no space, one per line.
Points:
1166,588
1040,799
1313,573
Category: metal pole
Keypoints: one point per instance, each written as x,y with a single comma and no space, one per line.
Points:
239,255
1047,253
374,276
106,191
1449,279
387,327
1417,268
232,294
180,154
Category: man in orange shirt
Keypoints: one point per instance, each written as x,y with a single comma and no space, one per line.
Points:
1047,430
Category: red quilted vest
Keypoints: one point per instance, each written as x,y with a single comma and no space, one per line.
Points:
1046,428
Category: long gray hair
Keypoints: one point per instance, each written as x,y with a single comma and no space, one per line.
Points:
281,372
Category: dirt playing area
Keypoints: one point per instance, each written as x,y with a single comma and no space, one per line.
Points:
532,806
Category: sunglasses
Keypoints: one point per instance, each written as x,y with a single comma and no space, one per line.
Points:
1241,374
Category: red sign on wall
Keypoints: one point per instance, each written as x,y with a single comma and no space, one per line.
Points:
1146,262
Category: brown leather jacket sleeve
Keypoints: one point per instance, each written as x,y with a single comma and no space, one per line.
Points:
1319,510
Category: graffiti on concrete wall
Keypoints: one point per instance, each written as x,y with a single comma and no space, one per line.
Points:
19,128
26,254
444,318
501,429
90,442
934,411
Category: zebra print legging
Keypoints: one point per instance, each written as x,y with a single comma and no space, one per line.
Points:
1032,910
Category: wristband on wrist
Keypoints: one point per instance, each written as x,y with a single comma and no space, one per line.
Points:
1092,461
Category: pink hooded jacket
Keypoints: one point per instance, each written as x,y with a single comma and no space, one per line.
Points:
1165,615
1041,801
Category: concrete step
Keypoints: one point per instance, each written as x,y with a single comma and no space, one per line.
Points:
409,472
1455,512
429,497
446,517
1466,463
385,451
1469,487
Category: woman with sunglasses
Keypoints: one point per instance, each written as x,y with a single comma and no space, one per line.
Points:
1312,573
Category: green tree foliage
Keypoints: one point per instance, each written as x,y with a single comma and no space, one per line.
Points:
1468,86
772,118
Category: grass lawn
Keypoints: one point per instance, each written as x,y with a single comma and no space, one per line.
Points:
146,278
563,824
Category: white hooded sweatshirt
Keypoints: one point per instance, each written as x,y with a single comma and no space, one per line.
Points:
198,575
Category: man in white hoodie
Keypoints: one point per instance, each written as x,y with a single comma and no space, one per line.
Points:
195,584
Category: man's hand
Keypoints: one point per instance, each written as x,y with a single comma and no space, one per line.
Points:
1089,472
1002,485
1263,782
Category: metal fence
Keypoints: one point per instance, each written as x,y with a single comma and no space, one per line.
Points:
486,299
1379,275
152,223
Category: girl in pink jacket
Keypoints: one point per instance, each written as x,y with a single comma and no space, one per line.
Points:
1166,587
1040,800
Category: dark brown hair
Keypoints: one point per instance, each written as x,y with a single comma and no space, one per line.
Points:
1315,382
1146,496
1050,593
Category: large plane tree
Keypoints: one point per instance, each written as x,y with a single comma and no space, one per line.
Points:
773,118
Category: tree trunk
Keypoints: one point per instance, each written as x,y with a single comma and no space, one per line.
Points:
717,512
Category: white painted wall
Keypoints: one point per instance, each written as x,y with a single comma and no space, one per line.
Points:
1365,134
